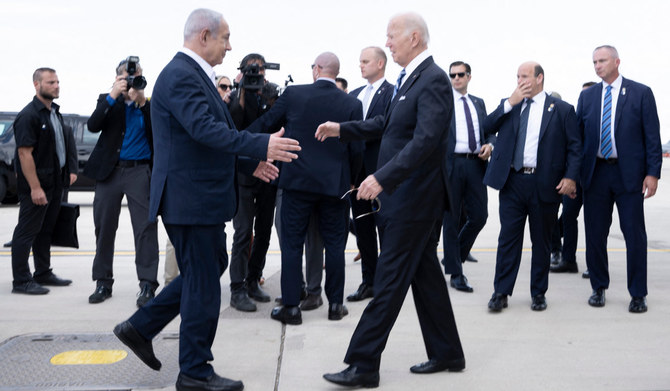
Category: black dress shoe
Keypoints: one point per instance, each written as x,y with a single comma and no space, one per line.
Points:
638,305
30,288
311,302
287,315
470,258
556,257
337,311
539,303
212,383
101,294
127,334
597,298
434,365
564,267
498,302
363,292
255,292
586,274
241,302
353,377
52,280
8,244
146,293
460,283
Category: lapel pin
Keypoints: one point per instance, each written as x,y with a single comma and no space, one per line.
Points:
551,108
623,91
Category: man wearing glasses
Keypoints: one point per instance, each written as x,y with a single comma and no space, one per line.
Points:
468,151
410,181
256,199
316,184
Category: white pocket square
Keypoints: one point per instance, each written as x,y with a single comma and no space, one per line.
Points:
401,98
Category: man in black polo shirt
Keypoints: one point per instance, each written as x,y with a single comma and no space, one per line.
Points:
120,164
42,143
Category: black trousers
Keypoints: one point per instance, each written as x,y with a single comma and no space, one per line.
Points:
33,230
255,212
408,258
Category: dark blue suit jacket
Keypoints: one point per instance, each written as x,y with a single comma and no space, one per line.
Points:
323,168
559,151
485,137
410,167
195,148
636,133
377,107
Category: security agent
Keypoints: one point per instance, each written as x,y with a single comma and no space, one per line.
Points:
121,165
43,147
256,199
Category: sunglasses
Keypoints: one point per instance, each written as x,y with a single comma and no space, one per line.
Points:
375,204
224,86
459,74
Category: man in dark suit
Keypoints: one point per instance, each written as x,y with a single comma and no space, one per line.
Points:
315,182
43,168
622,165
374,97
121,166
410,182
193,189
535,162
468,151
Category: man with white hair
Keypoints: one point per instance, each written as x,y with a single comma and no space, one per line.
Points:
410,182
193,189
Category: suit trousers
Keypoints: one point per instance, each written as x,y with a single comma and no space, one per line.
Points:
255,212
465,188
33,230
606,189
133,182
519,200
408,258
571,208
366,237
296,209
195,295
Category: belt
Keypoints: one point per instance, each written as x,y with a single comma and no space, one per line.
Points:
466,155
610,161
131,163
525,170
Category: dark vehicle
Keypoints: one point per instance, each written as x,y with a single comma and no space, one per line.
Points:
84,139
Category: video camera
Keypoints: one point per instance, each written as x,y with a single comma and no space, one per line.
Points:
136,82
252,79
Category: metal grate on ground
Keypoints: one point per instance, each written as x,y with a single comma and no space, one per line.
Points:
69,362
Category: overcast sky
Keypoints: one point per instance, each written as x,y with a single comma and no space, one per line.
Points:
85,39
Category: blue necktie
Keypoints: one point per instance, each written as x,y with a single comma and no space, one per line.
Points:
521,137
472,142
606,128
398,83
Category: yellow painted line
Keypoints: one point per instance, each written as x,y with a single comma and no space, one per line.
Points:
88,357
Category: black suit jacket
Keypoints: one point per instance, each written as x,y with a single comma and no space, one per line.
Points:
378,106
559,152
322,168
111,121
410,167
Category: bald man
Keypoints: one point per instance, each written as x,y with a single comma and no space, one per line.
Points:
315,185
536,161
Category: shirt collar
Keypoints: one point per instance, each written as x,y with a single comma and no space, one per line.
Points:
411,67
327,79
616,84
209,71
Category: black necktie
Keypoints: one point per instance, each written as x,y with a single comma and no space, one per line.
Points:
472,143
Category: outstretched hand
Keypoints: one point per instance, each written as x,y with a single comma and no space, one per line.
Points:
327,129
279,148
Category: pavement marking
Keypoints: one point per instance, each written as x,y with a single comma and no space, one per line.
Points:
281,354
88,357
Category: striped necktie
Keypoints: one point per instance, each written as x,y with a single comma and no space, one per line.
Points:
606,128
398,83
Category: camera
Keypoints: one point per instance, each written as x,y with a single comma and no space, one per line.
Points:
252,79
136,82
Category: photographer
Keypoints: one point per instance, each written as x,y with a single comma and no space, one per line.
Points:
256,202
121,165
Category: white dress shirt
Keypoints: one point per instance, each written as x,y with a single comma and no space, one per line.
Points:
462,141
361,95
209,71
616,88
411,67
